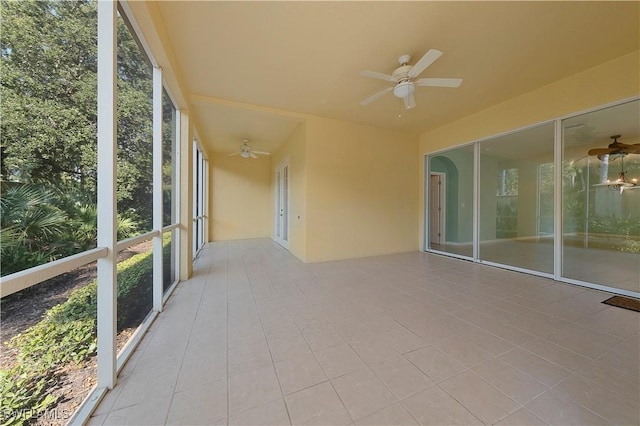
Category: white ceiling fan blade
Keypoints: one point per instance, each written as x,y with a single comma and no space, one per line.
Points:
261,152
409,101
439,82
379,75
253,155
424,62
376,96
233,153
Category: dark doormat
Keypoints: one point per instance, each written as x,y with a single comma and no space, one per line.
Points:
624,302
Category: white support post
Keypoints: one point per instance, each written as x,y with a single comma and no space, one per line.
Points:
107,208
157,189
177,194
205,202
557,202
476,202
185,202
426,191
194,209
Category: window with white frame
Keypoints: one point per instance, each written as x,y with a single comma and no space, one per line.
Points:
200,174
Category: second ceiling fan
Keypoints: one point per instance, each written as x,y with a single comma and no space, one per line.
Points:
405,79
247,152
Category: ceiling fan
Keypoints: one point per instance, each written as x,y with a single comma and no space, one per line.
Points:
405,79
616,148
621,150
246,151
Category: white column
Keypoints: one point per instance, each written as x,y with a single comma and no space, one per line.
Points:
185,206
107,208
205,202
157,189
476,202
176,198
557,202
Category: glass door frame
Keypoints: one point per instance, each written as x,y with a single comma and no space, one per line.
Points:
558,245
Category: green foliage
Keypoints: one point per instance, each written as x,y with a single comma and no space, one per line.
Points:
84,225
135,283
49,51
615,225
67,334
23,394
624,231
48,104
32,229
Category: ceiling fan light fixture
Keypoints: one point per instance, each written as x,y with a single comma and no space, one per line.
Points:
404,89
622,183
615,150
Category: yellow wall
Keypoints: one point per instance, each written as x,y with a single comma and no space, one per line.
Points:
240,197
361,190
294,151
609,82
353,187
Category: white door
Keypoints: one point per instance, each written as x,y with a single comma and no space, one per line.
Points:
436,202
282,205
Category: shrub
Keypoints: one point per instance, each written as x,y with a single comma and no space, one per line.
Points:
67,334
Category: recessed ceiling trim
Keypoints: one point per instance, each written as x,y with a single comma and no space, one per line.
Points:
244,106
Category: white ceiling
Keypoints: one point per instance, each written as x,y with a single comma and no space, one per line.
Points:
252,68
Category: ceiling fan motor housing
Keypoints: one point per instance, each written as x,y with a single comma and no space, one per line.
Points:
245,150
401,73
405,86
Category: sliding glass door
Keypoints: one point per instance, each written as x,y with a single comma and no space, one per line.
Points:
544,201
516,199
601,221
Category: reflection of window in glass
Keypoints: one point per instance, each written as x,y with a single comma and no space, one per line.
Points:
198,198
574,173
507,204
508,182
545,198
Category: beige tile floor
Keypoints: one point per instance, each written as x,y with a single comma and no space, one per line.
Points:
257,337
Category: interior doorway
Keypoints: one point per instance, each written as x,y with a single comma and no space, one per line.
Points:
436,207
282,204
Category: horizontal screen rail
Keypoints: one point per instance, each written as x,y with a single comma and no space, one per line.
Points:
170,227
129,242
23,279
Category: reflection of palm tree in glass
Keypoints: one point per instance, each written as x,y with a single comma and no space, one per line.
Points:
574,197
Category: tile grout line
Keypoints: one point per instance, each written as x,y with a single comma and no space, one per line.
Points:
175,384
273,364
